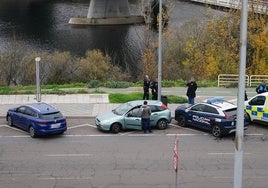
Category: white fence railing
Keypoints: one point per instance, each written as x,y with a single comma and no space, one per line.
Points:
257,79
230,79
225,80
260,6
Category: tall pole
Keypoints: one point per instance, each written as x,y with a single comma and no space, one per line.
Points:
238,163
38,90
160,52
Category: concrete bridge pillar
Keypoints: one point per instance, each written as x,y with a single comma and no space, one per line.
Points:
108,9
108,12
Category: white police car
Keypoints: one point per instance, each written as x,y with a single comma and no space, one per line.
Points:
215,115
257,108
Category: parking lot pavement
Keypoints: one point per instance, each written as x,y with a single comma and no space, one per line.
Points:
86,127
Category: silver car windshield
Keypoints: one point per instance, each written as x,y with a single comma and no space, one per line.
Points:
120,110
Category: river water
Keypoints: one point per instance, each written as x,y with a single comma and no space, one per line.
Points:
45,27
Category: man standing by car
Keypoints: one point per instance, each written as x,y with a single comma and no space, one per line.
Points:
145,117
192,87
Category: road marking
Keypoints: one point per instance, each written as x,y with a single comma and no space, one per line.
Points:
66,178
83,125
186,128
69,155
13,128
226,153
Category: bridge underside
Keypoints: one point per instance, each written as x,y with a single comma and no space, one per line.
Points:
108,12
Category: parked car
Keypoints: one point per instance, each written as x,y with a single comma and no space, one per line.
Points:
257,108
128,116
37,119
215,115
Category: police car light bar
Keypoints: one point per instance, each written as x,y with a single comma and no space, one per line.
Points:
215,100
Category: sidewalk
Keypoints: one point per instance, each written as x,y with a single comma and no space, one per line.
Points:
73,105
90,105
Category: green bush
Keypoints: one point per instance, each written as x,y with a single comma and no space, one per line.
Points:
94,84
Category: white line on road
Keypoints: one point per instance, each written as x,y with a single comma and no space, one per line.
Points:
66,178
69,155
77,126
226,153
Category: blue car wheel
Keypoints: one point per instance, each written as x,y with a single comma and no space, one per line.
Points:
216,131
32,132
9,121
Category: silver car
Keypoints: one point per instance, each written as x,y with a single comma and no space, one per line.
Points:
128,116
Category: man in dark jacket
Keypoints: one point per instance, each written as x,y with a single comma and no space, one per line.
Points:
192,87
146,86
145,117
154,88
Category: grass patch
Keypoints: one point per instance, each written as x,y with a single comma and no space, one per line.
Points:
122,98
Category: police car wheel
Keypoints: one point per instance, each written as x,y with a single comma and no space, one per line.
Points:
216,131
182,121
247,117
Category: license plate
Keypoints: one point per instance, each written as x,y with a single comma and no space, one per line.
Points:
56,125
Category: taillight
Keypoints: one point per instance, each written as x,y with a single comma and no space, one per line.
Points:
164,106
228,116
42,122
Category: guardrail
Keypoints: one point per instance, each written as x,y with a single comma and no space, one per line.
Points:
260,6
225,80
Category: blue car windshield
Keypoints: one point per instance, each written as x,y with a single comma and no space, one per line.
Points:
120,110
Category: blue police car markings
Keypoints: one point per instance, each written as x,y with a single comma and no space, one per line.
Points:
259,109
254,113
248,107
201,119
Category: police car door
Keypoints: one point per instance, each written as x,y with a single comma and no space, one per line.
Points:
257,108
198,116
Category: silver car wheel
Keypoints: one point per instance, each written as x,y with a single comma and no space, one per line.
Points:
162,124
115,128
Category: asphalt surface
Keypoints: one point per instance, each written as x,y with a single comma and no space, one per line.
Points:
90,105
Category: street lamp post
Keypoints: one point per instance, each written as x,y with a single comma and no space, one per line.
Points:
160,52
38,90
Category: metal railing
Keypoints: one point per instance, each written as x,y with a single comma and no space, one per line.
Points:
255,80
230,80
225,80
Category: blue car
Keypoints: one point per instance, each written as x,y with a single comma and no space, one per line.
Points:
37,119
215,115
128,116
